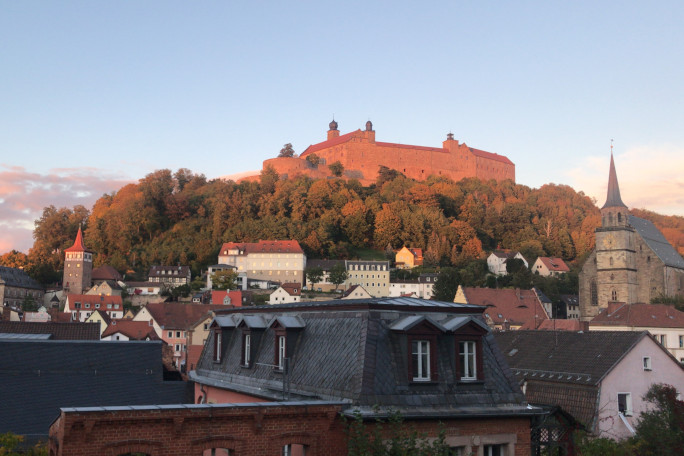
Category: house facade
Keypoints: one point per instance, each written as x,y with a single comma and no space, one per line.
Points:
286,293
408,258
496,261
421,287
373,276
430,361
632,261
277,261
599,377
16,287
171,276
82,306
549,266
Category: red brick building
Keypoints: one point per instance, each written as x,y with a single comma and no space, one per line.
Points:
361,156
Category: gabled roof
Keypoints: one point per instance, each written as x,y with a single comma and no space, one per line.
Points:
411,321
293,289
105,272
102,314
554,264
178,315
59,331
247,248
78,246
15,277
507,306
218,296
640,316
565,356
558,325
93,299
134,330
287,321
329,143
657,242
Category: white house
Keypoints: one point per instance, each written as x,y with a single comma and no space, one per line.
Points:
286,293
496,261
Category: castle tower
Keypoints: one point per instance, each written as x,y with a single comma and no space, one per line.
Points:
615,249
78,267
369,134
333,132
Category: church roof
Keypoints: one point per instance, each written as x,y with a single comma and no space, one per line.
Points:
613,198
657,242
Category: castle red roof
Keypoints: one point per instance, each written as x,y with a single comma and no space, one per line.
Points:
78,246
329,143
263,247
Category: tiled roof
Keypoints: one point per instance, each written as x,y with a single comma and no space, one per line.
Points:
263,247
178,315
15,277
490,156
640,316
217,297
78,246
93,299
345,350
135,330
105,272
512,306
554,264
293,289
59,331
39,377
558,325
657,242
329,143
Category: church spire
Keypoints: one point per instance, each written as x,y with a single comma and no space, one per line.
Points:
613,198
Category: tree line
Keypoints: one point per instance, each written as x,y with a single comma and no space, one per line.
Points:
183,218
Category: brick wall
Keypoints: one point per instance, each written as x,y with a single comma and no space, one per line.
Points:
247,429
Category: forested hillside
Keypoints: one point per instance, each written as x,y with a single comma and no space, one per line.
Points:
170,218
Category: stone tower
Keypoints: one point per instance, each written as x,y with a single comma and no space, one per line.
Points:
78,267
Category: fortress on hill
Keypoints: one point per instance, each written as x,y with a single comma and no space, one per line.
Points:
361,156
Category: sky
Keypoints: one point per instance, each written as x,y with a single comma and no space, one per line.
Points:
94,95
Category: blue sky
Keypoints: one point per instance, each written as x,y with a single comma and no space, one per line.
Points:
94,94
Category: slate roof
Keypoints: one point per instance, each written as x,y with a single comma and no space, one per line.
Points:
39,377
657,242
512,306
570,300
15,277
613,195
640,316
347,350
326,265
59,331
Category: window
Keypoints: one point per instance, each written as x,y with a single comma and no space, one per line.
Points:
218,451
494,450
625,403
246,349
217,347
294,449
594,294
169,334
280,361
178,333
420,355
647,363
467,356
87,306
681,341
613,295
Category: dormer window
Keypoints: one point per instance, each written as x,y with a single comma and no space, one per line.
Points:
281,350
420,356
468,360
217,346
246,349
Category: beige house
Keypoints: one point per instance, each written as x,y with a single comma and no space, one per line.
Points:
106,288
101,318
277,261
373,276
549,266
663,322
356,292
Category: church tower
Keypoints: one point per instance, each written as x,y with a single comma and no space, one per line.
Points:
616,262
78,267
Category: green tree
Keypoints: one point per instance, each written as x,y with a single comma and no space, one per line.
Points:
446,285
223,280
336,168
10,445
313,159
14,259
313,275
338,275
660,430
287,151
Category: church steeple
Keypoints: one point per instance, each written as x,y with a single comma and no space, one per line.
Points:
613,198
614,212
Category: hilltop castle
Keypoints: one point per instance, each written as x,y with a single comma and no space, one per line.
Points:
632,262
361,156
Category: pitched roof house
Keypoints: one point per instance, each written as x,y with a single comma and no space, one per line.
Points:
356,292
547,266
287,292
496,261
430,361
227,297
16,286
129,330
407,258
171,276
599,377
505,308
664,322
81,306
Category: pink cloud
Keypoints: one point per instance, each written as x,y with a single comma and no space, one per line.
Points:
24,194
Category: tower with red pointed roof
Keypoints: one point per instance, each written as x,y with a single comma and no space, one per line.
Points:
632,262
78,267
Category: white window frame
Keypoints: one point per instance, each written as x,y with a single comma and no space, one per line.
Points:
467,353
628,403
420,353
281,352
248,347
647,363
217,347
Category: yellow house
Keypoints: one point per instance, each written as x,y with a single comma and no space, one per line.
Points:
101,318
409,258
